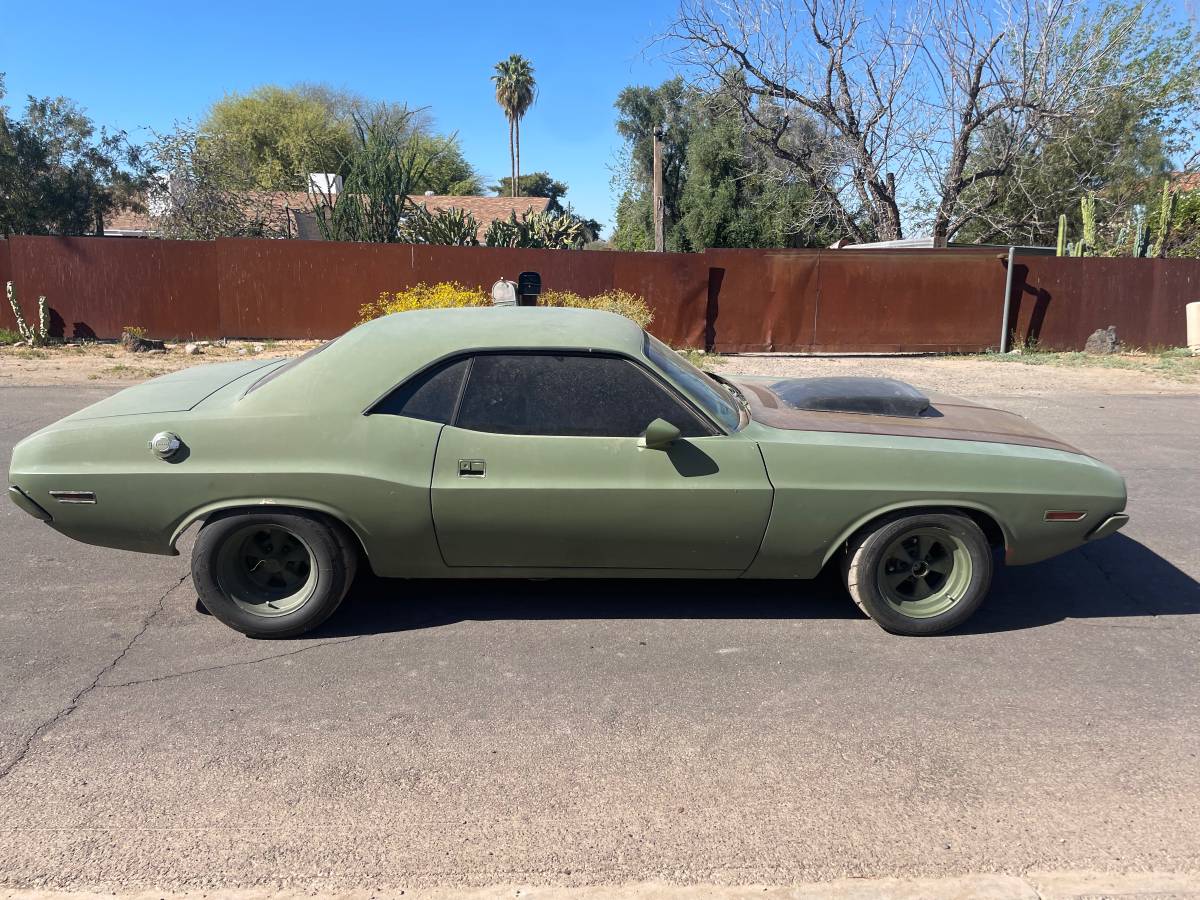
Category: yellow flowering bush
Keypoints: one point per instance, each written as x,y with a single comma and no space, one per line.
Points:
622,302
447,294
443,295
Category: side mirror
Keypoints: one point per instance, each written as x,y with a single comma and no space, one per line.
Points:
659,435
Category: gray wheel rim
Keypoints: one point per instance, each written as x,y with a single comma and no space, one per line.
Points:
266,570
924,572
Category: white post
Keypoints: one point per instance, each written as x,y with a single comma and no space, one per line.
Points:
1192,311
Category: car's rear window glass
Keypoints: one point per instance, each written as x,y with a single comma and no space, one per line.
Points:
573,395
430,395
288,366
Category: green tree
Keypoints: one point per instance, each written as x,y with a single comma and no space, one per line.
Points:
639,109
196,196
1118,152
446,170
515,92
535,184
59,174
720,188
734,197
280,135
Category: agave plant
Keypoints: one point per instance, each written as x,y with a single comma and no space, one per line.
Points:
545,230
452,227
505,233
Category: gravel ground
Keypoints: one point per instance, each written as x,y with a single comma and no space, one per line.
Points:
109,364
962,375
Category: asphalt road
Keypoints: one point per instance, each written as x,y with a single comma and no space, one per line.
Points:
489,732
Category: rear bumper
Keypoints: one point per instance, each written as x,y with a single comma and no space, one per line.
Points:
1111,525
27,503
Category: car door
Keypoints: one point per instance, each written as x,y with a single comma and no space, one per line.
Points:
541,467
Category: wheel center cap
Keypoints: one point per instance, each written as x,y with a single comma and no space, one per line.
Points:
272,566
920,569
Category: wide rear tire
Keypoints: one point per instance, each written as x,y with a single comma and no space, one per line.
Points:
919,573
272,574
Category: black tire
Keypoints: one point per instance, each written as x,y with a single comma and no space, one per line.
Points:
272,574
875,575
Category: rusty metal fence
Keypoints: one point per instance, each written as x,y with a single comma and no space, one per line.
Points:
813,301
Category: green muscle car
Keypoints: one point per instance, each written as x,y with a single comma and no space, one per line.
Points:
534,442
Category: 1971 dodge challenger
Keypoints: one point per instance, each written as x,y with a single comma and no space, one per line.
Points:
533,442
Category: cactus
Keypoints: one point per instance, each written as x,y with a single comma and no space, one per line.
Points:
1062,236
1166,212
34,337
1088,208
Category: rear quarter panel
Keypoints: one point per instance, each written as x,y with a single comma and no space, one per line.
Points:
828,485
373,472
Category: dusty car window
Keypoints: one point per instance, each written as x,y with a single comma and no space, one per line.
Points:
431,395
575,395
712,396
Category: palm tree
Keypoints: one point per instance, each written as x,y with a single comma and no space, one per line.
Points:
515,92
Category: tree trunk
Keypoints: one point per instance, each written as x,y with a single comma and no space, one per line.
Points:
512,161
517,180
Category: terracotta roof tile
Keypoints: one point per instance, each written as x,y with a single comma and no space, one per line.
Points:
282,207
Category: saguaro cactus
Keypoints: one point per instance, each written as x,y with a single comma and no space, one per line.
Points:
34,337
1088,208
1062,236
1166,213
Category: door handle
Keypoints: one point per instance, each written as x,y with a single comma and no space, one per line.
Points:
472,468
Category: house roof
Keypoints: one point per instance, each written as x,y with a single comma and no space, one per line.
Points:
291,212
1185,181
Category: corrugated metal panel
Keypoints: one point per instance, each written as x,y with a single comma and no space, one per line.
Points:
728,300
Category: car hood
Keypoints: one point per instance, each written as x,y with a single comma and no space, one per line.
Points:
947,418
176,392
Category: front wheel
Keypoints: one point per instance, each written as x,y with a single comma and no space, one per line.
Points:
271,575
919,573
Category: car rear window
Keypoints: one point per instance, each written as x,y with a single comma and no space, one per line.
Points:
430,395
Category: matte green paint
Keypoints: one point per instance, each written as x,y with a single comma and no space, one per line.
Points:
760,502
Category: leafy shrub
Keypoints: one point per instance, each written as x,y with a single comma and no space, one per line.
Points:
448,294
8,336
622,302
443,295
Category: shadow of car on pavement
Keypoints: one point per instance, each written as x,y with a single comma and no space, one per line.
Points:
1117,577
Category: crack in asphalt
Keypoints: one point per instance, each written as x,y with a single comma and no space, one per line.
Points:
73,704
232,665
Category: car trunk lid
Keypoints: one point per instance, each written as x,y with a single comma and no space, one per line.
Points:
175,392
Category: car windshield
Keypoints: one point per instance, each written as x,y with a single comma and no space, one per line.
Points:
714,397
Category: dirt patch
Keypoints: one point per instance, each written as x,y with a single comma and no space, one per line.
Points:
110,363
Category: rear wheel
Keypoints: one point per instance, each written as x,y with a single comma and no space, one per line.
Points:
271,574
919,573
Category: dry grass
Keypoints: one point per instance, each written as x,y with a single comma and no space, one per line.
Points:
109,362
1174,363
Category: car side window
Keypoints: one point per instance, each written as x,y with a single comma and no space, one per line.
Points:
430,395
578,395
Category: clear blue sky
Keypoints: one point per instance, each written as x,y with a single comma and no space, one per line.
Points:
137,65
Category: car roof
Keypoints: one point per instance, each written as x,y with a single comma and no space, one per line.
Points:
371,359
501,327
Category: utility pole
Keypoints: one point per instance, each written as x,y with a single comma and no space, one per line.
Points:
659,239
